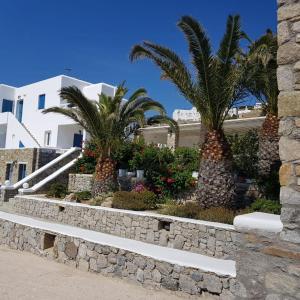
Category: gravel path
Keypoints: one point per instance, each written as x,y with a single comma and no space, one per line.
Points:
24,276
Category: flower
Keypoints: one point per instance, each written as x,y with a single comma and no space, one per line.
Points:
139,188
170,180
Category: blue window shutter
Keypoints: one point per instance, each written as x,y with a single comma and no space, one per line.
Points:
7,105
21,145
42,99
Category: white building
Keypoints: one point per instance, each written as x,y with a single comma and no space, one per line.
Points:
22,123
192,115
186,115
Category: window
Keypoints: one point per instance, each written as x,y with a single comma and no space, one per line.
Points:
22,171
47,138
41,104
21,145
8,171
7,105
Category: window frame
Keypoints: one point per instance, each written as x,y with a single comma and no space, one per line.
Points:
47,138
41,101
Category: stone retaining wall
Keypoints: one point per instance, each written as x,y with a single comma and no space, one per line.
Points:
80,182
206,238
115,262
288,76
267,267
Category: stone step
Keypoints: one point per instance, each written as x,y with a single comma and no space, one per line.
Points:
207,238
99,252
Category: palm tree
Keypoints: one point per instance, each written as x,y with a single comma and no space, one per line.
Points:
262,65
215,88
109,121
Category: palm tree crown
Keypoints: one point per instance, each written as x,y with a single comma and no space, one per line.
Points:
262,67
110,120
218,81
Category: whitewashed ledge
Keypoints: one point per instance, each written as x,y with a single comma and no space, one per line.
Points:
179,257
132,212
258,221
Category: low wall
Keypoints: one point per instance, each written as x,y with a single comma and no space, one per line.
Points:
208,238
80,182
267,267
107,260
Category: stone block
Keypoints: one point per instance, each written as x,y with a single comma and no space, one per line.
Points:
286,76
283,33
102,261
187,285
289,196
281,283
289,149
156,276
287,12
83,265
212,283
290,235
289,104
288,53
140,275
296,26
71,250
169,283
285,173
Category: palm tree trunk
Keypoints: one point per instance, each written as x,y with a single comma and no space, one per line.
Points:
216,181
105,177
268,152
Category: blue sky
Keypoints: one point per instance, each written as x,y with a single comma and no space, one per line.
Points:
40,38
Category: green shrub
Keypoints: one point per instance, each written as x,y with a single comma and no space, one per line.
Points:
126,152
57,190
269,186
187,158
267,206
134,200
244,150
84,195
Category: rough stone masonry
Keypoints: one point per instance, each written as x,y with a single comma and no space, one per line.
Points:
113,261
268,264
179,233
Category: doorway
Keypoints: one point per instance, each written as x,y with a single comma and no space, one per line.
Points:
19,110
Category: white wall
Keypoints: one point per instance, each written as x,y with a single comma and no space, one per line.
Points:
6,92
37,122
65,136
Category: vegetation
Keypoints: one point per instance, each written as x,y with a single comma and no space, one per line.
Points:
262,67
194,211
134,200
83,196
217,85
57,190
267,206
87,163
110,121
167,173
244,149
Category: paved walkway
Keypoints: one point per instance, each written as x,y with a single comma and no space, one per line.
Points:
24,276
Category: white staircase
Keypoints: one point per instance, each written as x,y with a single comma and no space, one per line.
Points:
23,185
17,132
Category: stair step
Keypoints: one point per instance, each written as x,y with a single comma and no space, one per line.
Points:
173,256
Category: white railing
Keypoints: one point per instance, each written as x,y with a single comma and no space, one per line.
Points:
41,183
40,170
